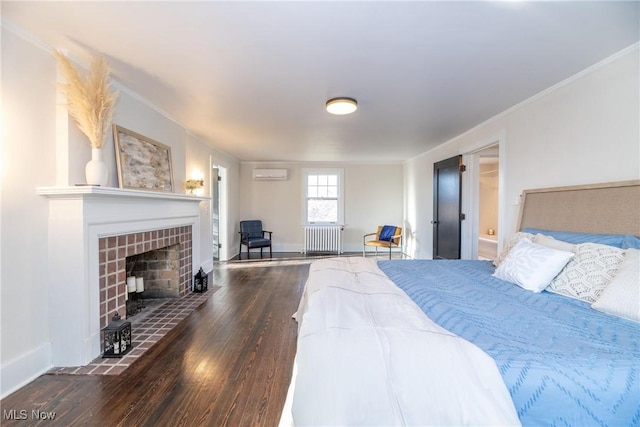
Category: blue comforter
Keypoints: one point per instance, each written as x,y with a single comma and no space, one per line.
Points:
563,362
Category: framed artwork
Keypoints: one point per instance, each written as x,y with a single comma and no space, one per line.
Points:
143,164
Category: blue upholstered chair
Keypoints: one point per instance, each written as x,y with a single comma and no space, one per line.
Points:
253,236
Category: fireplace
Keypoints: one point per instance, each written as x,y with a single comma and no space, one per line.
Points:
160,269
91,232
138,254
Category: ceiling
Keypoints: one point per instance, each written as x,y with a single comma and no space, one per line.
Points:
252,78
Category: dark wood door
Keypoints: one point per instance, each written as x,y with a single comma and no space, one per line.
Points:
447,217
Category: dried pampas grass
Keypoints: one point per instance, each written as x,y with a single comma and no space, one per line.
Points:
89,100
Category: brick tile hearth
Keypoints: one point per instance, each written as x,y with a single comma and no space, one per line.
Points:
147,329
112,264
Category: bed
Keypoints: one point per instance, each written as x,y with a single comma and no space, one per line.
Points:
422,342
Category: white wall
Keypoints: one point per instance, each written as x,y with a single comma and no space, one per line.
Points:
28,161
585,130
43,148
373,196
197,167
199,157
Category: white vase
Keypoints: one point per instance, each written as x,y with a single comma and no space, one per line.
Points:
96,170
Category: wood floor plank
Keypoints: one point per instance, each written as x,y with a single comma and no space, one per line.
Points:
228,363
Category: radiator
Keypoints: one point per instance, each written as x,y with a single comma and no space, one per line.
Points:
323,239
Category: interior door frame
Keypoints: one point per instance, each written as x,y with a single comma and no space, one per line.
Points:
471,196
215,212
223,211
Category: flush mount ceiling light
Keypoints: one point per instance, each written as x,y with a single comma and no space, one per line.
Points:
342,106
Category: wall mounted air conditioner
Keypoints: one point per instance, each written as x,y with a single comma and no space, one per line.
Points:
269,174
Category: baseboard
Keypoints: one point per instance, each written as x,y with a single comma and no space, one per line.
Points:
21,371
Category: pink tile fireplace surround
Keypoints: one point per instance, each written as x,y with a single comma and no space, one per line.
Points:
91,231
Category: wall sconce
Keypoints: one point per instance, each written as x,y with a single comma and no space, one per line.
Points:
194,184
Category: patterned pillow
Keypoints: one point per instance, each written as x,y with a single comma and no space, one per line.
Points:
514,240
589,272
532,266
622,296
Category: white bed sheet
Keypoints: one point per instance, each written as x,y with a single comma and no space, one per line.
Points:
367,355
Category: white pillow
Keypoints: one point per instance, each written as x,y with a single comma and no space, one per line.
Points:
532,266
622,296
510,244
589,272
552,243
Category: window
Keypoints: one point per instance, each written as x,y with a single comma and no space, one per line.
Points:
323,196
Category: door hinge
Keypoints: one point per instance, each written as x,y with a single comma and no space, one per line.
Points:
219,178
219,245
462,217
463,168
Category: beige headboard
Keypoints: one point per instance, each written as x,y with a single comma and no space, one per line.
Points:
610,208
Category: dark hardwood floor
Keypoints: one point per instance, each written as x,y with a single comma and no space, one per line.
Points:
228,364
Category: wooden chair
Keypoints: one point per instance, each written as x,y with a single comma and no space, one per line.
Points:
253,236
387,236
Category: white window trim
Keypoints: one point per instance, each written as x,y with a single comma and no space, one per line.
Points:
323,171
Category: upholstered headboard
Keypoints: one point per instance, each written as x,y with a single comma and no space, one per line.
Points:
609,208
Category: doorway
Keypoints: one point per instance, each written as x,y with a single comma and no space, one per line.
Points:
215,212
483,200
488,188
218,212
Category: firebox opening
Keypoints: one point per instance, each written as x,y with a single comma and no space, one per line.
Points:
159,270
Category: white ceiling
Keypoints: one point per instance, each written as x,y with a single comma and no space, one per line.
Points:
252,77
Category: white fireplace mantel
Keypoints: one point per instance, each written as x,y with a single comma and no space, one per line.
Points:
91,191
78,217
